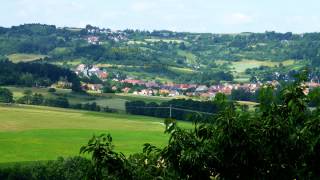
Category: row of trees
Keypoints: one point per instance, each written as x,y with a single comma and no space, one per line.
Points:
31,98
245,95
180,108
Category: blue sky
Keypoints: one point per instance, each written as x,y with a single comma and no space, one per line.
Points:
217,16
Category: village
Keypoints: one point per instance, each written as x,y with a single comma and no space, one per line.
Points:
152,88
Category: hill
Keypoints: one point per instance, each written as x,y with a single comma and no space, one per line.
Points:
165,55
30,133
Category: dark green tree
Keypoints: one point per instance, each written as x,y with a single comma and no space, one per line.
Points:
6,95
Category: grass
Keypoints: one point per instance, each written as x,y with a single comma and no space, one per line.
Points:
191,58
73,98
242,65
114,101
31,133
181,70
16,58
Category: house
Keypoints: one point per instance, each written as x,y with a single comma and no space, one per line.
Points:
164,92
81,67
93,40
205,95
103,75
133,81
312,84
226,90
202,88
184,86
95,87
126,90
174,93
94,70
63,84
151,84
146,92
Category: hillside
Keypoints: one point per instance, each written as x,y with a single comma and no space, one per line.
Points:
165,55
46,133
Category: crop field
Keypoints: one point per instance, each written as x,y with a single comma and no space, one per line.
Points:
30,133
24,57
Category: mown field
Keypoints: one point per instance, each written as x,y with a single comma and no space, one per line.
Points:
30,133
24,57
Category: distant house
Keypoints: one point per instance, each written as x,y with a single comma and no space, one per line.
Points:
81,67
146,92
93,40
94,70
312,84
126,90
207,95
133,81
103,75
63,84
151,84
94,87
174,93
226,90
164,92
202,88
184,86
114,88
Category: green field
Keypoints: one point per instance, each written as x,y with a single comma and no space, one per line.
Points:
241,66
67,93
24,57
29,133
114,101
191,58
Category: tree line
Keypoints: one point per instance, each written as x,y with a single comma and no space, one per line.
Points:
30,98
35,74
181,108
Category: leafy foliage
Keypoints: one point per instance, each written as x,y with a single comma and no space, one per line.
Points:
35,74
280,140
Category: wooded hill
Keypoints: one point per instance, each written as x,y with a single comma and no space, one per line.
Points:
175,56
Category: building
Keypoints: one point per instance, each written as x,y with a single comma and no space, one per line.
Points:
202,88
94,87
93,40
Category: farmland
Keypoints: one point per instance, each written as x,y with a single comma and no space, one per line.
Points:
29,133
114,101
24,57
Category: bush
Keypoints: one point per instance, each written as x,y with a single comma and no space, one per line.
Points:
51,90
6,95
73,168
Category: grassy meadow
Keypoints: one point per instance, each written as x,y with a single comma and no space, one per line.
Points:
16,58
241,66
30,133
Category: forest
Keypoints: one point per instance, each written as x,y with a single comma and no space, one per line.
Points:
36,75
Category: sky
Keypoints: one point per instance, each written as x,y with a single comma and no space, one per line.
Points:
215,16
